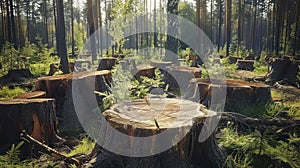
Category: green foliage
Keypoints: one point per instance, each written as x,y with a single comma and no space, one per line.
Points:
35,57
140,89
6,93
12,156
259,150
125,88
84,147
186,10
10,59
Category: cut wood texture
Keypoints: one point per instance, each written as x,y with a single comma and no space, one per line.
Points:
178,77
239,94
35,116
60,88
143,119
247,65
32,95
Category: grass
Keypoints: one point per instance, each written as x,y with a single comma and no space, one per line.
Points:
260,68
84,147
6,93
255,149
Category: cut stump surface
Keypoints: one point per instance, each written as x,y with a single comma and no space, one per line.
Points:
141,119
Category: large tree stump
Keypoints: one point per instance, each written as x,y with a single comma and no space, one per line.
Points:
35,116
32,95
247,65
283,69
239,94
60,88
178,77
106,63
183,120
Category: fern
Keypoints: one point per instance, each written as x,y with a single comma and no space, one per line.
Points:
12,156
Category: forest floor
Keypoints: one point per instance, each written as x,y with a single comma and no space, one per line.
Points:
288,98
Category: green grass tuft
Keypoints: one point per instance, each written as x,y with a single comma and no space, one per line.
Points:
6,93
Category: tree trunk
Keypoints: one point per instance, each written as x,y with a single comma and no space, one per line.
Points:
220,25
172,42
20,25
72,29
145,121
92,30
228,25
297,25
61,38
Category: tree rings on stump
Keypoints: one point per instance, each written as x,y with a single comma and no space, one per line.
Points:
32,95
185,119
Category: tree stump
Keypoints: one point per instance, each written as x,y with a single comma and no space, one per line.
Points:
106,63
161,65
233,59
178,77
283,69
79,64
118,56
216,61
146,71
35,116
182,121
32,95
247,65
18,75
60,88
239,94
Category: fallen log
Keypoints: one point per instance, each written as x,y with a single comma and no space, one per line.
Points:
185,119
47,150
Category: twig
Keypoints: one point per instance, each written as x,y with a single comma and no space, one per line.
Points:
47,150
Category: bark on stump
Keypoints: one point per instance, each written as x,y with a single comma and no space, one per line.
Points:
283,69
233,60
247,65
185,119
106,63
146,71
35,116
32,95
60,88
178,77
239,94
